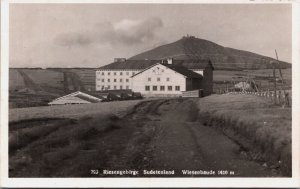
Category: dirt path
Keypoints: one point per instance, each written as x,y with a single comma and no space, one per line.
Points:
181,143
157,138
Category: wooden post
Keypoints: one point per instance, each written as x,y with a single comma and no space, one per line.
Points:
275,87
226,91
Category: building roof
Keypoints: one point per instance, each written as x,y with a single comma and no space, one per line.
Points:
80,95
130,65
184,71
179,69
143,64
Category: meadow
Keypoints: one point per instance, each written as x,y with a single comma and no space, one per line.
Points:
263,78
71,111
262,128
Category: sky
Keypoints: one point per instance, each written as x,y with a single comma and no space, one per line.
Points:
92,35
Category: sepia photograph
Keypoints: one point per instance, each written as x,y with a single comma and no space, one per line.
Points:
150,90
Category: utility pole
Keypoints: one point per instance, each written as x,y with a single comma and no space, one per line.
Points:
282,82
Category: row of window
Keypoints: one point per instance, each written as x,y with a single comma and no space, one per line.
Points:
108,87
114,80
158,79
114,73
161,88
127,80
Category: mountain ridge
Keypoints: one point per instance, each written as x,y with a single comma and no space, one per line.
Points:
222,57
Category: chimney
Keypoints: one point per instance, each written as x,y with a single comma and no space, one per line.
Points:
170,60
119,59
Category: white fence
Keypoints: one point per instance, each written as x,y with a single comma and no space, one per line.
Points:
195,93
279,97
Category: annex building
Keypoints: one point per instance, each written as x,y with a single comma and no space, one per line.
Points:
156,77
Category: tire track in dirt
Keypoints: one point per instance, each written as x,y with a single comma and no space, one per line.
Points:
181,142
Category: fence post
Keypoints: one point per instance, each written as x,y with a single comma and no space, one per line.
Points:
287,100
278,97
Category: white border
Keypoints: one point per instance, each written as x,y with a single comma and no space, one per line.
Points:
148,182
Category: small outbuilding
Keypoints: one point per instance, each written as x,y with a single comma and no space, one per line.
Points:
76,98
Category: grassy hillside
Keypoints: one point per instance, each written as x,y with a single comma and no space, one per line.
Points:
263,78
222,57
41,139
36,87
70,111
263,129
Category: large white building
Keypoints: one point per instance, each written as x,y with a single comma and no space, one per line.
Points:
165,79
153,77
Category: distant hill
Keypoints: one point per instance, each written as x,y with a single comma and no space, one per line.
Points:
222,57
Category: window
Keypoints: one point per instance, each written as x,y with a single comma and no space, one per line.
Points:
127,87
127,73
102,80
102,73
121,87
154,88
108,86
147,88
127,80
108,73
168,79
115,80
121,80
162,88
121,73
108,80
169,88
115,87
149,78
158,79
177,88
115,73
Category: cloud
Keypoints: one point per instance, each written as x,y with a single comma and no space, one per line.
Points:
73,39
124,32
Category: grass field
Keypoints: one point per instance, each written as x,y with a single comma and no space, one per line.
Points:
253,121
46,77
71,111
263,78
43,139
37,87
15,80
87,76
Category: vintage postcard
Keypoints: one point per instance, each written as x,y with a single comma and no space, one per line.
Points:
150,94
